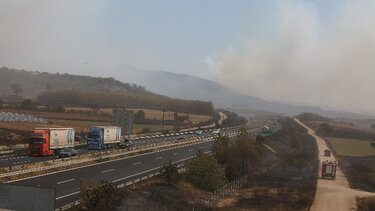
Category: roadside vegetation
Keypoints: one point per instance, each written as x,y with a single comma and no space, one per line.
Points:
282,181
285,180
366,204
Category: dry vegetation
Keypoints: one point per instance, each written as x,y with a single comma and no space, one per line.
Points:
157,195
352,147
366,204
285,180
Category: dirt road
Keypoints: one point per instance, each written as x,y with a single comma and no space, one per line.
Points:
332,195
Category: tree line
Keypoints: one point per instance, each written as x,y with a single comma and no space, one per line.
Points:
127,100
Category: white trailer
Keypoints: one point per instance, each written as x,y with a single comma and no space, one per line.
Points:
61,138
102,137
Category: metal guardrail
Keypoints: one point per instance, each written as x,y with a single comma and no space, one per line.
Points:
60,163
131,182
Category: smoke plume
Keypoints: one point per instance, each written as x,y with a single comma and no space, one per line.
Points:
305,55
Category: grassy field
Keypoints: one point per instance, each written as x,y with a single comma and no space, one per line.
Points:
351,147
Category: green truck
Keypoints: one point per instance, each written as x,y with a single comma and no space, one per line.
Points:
266,131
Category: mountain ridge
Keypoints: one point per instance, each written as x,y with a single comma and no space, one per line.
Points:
193,87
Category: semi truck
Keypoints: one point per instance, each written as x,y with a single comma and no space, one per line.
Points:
329,169
48,141
103,137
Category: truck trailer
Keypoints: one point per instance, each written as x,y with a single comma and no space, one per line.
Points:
103,137
329,169
48,141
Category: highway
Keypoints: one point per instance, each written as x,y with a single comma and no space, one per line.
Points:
66,184
19,159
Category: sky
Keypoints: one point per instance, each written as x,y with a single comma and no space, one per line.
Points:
304,52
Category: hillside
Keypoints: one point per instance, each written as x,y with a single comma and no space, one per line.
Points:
85,91
192,87
32,83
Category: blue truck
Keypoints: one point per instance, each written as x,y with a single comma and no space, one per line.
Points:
103,137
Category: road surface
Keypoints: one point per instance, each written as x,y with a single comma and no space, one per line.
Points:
332,195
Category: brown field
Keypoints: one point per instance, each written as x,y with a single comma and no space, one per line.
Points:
17,132
149,113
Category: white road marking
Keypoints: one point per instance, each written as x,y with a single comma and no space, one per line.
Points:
65,181
158,158
67,195
134,164
105,171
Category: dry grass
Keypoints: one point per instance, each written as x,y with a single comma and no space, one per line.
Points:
351,147
149,113
366,204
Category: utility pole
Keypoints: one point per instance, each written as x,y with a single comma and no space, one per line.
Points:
162,123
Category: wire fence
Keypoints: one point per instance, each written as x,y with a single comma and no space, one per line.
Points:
227,190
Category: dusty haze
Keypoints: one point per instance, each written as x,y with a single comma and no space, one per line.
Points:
306,60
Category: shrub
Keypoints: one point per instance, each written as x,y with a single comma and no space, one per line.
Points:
205,173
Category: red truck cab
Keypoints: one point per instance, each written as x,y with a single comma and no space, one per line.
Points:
327,153
39,143
329,169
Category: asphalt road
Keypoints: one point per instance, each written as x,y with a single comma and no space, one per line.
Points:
19,159
66,184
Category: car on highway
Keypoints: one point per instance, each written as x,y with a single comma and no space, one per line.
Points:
199,132
69,152
125,144
78,138
216,131
181,138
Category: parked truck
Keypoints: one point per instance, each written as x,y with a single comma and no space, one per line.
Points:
48,141
329,169
103,137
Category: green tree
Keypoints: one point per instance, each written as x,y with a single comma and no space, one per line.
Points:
221,149
16,89
102,196
204,172
49,87
95,108
325,129
28,104
169,172
146,130
245,154
140,114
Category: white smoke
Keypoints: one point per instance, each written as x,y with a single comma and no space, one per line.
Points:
305,58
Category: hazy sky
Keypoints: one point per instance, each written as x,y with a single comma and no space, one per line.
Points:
308,52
